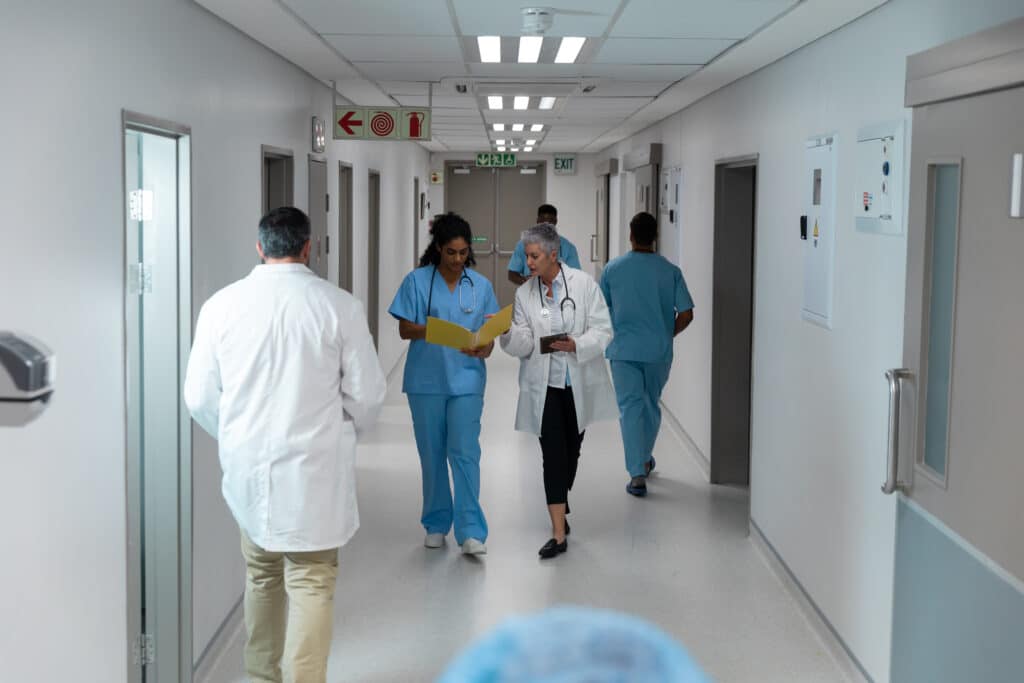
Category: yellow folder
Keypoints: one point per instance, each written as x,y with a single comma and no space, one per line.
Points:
445,333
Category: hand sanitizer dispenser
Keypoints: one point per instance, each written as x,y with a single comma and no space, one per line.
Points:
27,376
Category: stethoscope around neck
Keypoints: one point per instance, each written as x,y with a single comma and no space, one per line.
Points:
566,299
463,278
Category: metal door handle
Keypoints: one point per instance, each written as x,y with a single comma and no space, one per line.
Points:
593,248
895,377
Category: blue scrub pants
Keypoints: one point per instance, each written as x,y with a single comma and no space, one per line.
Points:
447,432
638,389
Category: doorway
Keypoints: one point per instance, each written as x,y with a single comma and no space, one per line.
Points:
498,203
158,333
278,178
345,226
373,256
732,320
319,205
416,218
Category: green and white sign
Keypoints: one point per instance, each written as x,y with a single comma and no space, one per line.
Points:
495,159
565,165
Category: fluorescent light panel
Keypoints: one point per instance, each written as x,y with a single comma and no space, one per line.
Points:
514,149
500,142
499,126
521,102
517,127
537,127
527,149
529,49
569,50
501,148
495,102
547,103
531,143
490,49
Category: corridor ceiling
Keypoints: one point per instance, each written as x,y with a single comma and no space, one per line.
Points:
642,60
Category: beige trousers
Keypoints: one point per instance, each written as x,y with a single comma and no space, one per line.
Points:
289,613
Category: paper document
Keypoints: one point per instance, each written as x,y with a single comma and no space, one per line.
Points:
446,333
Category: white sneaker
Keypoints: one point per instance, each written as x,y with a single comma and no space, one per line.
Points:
434,540
473,547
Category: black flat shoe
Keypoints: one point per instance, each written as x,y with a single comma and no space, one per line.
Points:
552,548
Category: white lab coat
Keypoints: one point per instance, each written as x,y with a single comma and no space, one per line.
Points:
283,373
592,389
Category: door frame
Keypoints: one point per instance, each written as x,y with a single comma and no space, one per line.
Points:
181,534
271,152
373,244
320,159
345,198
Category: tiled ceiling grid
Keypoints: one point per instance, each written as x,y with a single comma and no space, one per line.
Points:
635,49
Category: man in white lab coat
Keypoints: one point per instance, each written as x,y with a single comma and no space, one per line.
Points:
283,373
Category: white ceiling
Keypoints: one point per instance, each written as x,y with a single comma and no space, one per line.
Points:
643,59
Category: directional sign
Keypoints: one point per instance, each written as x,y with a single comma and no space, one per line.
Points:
349,123
372,123
495,159
565,165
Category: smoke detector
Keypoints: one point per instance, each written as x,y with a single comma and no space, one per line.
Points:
537,20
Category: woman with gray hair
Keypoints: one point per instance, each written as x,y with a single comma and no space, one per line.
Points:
560,330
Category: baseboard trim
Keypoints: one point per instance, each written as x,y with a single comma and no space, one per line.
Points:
822,627
220,642
669,420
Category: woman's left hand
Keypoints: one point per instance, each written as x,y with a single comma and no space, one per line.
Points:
480,351
568,345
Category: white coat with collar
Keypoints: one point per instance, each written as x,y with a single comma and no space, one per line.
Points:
588,371
282,373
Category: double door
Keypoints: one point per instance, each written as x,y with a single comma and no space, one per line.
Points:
498,203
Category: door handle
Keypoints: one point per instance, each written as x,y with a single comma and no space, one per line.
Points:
895,378
593,248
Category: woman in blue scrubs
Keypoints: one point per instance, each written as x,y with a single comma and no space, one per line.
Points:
445,386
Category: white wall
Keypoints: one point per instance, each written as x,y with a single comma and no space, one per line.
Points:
69,69
819,400
573,196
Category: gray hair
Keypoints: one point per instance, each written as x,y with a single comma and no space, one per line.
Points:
284,232
545,235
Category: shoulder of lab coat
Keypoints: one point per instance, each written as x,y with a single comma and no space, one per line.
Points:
598,335
519,340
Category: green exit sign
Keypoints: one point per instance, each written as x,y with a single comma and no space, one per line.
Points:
495,159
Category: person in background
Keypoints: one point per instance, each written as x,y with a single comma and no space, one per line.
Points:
444,386
649,304
283,373
564,384
519,271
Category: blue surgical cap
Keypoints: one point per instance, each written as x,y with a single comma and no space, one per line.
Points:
574,645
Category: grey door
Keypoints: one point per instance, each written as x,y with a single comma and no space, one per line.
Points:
344,248
471,192
318,204
732,322
959,568
519,195
373,256
599,240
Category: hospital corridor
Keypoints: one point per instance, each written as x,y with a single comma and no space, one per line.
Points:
485,341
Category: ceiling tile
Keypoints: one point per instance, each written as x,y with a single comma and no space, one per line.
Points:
526,71
611,88
439,101
404,88
734,19
661,50
381,17
410,71
503,18
396,48
639,72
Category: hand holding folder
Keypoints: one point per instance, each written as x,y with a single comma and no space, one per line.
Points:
445,333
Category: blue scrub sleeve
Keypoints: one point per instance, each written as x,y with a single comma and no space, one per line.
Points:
490,301
408,304
572,257
683,300
517,264
606,290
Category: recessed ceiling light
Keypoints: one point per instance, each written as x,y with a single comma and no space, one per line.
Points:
517,127
495,102
529,49
531,143
490,48
499,126
527,149
546,103
500,142
569,50
514,149
537,127
501,149
521,102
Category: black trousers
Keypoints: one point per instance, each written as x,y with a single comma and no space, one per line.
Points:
560,442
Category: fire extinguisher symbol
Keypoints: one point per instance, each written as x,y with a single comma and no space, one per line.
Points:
415,124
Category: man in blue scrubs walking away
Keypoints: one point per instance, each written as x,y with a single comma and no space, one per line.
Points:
519,271
649,304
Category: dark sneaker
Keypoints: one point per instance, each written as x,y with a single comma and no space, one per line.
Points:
637,486
552,548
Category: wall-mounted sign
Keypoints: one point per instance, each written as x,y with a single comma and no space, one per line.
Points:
565,165
369,123
319,135
495,159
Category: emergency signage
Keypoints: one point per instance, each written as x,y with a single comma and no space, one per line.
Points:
369,123
565,165
495,159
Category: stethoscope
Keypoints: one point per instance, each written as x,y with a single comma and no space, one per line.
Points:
566,299
465,278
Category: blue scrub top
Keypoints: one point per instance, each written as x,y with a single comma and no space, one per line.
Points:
644,292
566,254
433,369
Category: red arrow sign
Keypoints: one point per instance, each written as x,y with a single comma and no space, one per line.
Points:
346,122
